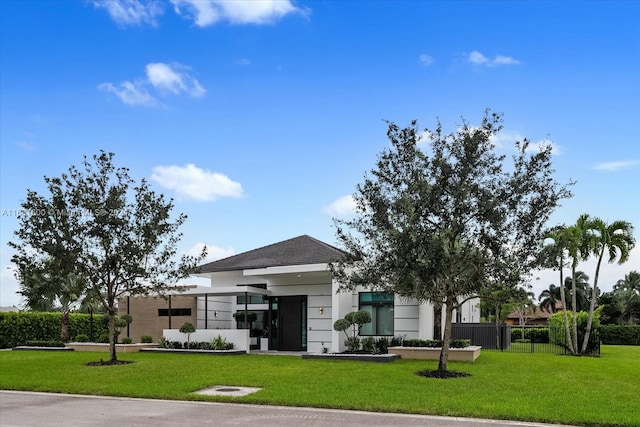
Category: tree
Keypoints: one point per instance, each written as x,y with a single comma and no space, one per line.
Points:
46,285
354,320
442,224
631,282
188,328
616,239
549,298
117,233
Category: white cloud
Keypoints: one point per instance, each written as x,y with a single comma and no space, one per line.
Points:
26,146
478,58
243,61
425,59
214,253
617,166
537,146
344,206
174,79
10,286
131,12
506,139
194,183
166,79
130,93
208,12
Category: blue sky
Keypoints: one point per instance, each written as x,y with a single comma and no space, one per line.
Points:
260,117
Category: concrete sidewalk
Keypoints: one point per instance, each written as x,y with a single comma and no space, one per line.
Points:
49,409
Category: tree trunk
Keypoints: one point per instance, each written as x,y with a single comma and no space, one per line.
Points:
498,346
592,306
575,315
564,312
64,330
113,336
437,322
446,341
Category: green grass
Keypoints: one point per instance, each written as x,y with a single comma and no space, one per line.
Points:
517,386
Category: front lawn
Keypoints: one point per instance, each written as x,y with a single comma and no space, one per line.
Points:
533,387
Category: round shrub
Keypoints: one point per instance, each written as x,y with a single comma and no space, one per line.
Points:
146,339
126,340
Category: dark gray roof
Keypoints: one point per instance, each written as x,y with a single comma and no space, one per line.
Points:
299,250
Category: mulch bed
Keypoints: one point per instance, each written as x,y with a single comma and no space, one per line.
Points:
442,374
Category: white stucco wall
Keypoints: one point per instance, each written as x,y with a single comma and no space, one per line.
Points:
239,337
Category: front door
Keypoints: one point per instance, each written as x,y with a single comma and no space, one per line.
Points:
291,325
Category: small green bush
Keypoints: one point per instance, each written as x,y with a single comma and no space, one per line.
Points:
82,338
146,339
126,340
220,343
457,343
103,338
368,344
382,345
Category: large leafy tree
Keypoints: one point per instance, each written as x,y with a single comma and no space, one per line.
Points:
101,224
443,223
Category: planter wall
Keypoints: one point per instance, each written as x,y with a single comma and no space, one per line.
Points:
467,354
100,347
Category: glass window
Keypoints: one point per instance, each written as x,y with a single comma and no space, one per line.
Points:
174,312
254,299
380,306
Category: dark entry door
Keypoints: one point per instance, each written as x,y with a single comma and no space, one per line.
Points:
292,323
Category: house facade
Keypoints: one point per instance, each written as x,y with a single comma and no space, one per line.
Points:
285,292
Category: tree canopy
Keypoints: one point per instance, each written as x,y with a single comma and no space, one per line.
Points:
442,217
100,224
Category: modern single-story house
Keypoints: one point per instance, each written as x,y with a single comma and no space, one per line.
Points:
290,297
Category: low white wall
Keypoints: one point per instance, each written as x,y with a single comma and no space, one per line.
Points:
239,337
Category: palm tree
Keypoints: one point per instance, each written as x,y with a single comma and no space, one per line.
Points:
554,255
579,245
582,291
616,239
631,282
549,299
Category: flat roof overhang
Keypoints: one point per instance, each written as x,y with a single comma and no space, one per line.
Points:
225,291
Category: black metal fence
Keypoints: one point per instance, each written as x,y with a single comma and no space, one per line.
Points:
522,339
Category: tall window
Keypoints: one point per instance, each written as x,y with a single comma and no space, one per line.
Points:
380,305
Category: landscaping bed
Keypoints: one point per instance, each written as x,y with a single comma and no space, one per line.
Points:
466,354
352,356
193,351
104,347
36,347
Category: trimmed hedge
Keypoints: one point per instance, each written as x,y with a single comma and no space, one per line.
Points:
454,343
534,334
19,328
620,334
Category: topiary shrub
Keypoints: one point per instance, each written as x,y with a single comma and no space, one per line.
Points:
188,328
146,339
126,340
354,320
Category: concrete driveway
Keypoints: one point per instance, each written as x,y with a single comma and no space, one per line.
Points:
49,409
